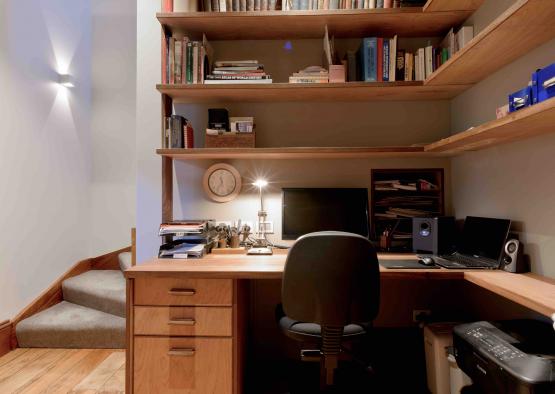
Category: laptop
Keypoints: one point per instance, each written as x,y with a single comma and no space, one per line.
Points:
481,244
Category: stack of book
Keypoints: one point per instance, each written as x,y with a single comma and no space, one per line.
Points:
190,238
178,133
263,5
185,61
312,74
396,184
238,71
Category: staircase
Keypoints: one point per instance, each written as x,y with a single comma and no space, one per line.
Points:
91,315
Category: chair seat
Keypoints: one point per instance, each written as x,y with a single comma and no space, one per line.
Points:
300,330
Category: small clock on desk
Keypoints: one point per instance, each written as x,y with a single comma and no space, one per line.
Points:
222,182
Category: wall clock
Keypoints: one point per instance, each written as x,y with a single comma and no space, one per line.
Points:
222,182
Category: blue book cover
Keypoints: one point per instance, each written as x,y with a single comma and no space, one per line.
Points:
369,59
385,76
303,5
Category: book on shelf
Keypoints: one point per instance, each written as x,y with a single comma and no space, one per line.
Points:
285,5
186,227
178,133
312,74
185,61
238,71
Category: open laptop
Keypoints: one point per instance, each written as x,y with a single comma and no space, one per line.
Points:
481,244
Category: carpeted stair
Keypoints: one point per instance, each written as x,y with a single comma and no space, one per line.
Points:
92,314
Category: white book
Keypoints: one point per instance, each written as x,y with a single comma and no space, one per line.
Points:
463,37
185,6
429,60
223,7
372,4
392,58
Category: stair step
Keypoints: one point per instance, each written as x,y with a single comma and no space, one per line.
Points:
103,290
67,325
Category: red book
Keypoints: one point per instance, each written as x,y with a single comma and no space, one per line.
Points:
167,5
379,69
387,3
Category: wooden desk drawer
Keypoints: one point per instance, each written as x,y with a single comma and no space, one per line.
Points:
183,291
183,320
183,365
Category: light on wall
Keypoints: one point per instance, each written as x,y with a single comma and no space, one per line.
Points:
66,80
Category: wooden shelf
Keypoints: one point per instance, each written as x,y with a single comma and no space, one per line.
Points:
528,122
524,26
443,5
294,153
349,91
532,291
265,25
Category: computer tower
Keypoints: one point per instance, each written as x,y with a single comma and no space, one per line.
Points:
433,235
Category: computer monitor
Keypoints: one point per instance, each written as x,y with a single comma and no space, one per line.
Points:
484,237
307,210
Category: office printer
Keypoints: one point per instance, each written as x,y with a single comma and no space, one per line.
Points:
510,357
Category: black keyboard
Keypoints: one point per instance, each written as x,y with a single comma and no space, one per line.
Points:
469,261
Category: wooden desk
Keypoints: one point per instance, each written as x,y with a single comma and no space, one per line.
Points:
189,315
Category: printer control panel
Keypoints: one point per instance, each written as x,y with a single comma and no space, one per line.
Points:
494,345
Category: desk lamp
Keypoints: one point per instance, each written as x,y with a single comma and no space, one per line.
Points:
261,244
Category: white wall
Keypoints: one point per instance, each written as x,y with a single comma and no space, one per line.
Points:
514,180
44,145
114,62
278,124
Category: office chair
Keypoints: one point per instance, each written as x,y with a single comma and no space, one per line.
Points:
330,293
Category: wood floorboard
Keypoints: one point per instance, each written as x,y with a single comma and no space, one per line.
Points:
33,371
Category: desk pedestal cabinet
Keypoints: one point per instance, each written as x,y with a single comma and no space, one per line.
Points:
185,335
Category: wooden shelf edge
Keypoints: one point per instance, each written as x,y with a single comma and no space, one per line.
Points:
316,92
532,291
448,5
528,122
294,153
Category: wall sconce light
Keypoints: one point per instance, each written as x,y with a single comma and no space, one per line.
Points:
66,80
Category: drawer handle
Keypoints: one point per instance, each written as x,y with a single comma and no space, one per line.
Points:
182,292
182,352
183,321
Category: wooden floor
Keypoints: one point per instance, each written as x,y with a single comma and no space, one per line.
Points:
63,371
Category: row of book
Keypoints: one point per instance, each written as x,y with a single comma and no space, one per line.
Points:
185,61
396,185
312,74
189,238
238,71
285,5
178,133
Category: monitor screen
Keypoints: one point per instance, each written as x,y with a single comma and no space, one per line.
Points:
306,210
484,237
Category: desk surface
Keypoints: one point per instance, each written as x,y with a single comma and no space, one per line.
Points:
530,290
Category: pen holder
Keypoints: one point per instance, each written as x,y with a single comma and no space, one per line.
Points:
222,243
234,241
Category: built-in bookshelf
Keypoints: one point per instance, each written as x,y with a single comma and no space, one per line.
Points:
524,26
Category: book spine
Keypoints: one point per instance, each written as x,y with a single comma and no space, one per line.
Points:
372,59
178,59
167,5
257,5
400,65
379,3
207,5
236,5
215,5
371,4
250,5
189,62
392,58
176,123
184,43
386,60
164,58
222,6
379,60
195,62
334,4
172,60
272,5
387,4
229,5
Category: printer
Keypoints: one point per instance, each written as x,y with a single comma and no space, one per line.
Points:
509,357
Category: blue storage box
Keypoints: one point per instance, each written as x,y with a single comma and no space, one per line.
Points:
520,99
543,84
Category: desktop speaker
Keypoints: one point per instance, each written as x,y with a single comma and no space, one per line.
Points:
513,258
433,235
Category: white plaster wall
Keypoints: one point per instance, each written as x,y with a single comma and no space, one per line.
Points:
45,145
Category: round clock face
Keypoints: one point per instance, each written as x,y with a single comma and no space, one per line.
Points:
222,182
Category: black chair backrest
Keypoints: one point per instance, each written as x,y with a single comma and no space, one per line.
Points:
331,278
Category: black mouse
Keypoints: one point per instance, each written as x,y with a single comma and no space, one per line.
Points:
426,261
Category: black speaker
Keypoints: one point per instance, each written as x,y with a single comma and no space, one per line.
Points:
513,258
433,235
